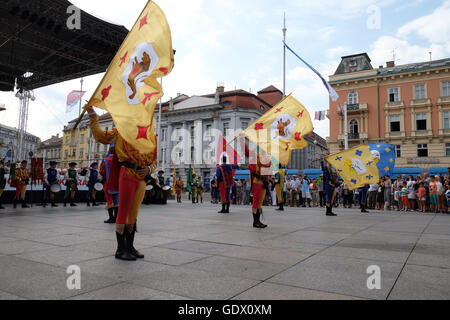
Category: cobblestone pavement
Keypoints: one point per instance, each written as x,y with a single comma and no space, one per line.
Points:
192,252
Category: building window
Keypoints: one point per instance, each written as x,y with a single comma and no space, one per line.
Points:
81,153
447,120
66,153
395,123
192,153
394,94
67,139
421,121
192,132
352,97
446,89
447,149
226,127
208,130
422,150
398,151
419,92
354,126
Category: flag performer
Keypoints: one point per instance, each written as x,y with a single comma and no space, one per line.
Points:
108,166
279,186
224,174
329,187
130,91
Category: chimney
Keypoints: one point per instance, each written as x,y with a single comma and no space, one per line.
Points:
380,67
57,135
171,104
220,87
390,64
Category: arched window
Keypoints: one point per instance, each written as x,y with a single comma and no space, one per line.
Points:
354,127
352,97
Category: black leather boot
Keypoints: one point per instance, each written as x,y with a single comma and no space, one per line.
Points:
257,222
223,209
15,203
65,202
130,243
363,209
227,207
122,252
1,207
280,207
24,205
54,205
116,212
111,216
330,212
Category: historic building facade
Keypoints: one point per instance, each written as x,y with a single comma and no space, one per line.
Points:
192,127
407,106
9,140
50,150
89,150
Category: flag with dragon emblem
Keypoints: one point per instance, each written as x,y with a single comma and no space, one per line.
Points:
282,129
130,90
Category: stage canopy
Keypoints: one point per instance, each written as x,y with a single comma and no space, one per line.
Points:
34,39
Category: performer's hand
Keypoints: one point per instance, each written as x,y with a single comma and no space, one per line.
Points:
143,172
90,109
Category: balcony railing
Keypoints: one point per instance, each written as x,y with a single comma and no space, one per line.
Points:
353,136
353,107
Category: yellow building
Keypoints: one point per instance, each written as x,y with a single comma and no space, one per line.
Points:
72,143
83,150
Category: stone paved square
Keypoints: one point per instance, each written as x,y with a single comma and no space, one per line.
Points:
192,252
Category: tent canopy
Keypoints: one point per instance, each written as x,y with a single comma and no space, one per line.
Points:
413,171
38,48
436,170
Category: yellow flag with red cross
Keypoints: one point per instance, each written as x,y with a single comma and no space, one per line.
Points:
129,91
282,129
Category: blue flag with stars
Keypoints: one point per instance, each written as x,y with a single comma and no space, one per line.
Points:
384,157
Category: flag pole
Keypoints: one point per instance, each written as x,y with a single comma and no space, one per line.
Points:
78,128
345,126
284,56
159,128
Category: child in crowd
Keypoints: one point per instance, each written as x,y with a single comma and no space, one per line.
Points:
422,193
404,194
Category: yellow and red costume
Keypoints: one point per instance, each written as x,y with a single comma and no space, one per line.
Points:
131,186
21,178
259,182
179,189
108,169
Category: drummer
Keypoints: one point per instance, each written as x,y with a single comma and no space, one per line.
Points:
162,196
71,182
51,179
93,178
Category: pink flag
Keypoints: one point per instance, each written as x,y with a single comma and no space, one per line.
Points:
73,99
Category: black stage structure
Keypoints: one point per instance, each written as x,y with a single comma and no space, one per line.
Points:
34,38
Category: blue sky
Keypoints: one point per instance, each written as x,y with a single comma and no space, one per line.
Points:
240,43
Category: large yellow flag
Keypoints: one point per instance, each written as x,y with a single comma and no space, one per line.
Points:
357,166
282,129
130,90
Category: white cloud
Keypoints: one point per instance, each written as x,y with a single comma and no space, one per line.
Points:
434,27
338,52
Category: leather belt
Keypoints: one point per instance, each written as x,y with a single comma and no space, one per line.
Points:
131,166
